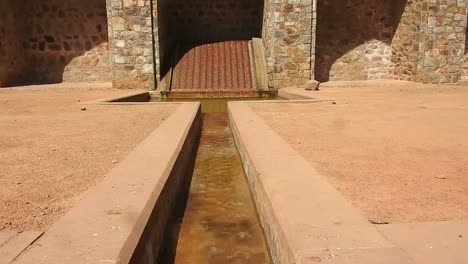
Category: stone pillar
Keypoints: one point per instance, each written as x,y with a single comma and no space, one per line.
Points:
156,46
288,36
313,34
131,43
441,41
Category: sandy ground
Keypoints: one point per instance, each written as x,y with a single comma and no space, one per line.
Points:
52,151
397,150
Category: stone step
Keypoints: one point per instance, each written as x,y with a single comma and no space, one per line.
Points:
222,66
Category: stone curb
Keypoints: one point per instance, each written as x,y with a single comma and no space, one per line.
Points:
107,224
133,97
305,219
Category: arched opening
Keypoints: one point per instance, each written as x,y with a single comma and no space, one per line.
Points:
365,39
184,25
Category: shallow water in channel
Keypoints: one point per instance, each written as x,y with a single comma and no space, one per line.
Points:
220,223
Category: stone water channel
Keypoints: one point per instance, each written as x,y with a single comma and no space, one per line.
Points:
219,223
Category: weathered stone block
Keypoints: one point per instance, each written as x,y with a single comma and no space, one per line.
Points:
312,85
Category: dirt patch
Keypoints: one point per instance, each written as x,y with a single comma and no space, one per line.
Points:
52,150
398,151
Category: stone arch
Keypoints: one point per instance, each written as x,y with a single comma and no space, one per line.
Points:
365,39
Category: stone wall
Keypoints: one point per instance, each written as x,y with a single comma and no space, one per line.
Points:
53,41
67,41
353,39
405,40
132,44
417,40
50,41
405,47
465,64
288,36
12,61
443,41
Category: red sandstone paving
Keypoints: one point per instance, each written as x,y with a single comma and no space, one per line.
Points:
51,151
398,151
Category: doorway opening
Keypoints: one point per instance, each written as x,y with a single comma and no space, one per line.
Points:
197,40
365,40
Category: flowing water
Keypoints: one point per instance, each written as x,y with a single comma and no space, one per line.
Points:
220,224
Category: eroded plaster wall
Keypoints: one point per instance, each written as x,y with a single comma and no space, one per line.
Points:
67,40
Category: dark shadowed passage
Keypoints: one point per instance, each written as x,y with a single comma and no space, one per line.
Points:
204,21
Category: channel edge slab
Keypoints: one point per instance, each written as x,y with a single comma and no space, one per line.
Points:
106,225
16,245
305,219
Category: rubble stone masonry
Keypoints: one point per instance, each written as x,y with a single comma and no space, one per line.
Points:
353,39
67,40
442,41
404,44
131,38
132,42
414,40
51,41
288,35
